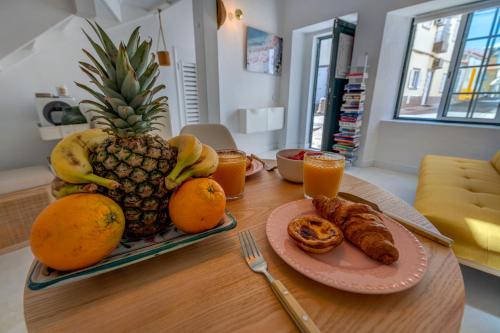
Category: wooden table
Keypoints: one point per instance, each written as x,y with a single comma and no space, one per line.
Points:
207,287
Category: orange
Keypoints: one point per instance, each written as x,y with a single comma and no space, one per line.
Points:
197,205
77,231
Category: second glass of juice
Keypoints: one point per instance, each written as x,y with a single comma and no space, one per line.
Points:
322,174
230,173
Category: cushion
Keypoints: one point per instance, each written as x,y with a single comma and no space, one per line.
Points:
461,197
496,161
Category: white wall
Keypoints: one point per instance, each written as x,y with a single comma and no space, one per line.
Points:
239,88
207,62
56,62
402,144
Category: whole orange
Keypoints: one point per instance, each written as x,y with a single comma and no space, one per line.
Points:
77,231
197,205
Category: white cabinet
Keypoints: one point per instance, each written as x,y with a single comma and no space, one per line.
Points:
253,120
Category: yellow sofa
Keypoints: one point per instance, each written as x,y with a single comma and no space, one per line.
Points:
461,197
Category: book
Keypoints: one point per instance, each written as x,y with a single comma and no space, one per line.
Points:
350,124
347,140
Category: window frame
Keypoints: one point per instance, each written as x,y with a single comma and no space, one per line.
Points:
452,73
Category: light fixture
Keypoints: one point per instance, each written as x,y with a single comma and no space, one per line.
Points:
221,14
163,56
238,13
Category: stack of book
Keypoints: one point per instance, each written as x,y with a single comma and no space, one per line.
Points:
353,107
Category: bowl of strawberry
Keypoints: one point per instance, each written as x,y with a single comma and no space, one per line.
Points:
291,164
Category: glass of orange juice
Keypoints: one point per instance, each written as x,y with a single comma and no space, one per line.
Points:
323,173
230,173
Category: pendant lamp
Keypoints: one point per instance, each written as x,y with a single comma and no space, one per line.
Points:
163,56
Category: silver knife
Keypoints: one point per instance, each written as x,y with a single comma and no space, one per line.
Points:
437,237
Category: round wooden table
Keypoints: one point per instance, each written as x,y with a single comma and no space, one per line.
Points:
207,287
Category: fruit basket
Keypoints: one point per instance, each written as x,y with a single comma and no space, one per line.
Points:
123,181
127,253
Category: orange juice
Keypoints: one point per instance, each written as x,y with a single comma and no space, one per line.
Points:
230,173
322,174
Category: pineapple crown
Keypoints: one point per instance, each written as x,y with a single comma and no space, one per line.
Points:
126,82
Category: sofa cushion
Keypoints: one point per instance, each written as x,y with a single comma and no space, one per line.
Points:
496,161
461,197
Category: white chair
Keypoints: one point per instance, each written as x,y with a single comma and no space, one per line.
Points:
215,135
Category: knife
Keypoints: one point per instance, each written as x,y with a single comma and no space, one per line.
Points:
435,236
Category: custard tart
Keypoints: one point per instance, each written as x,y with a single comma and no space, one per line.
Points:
315,234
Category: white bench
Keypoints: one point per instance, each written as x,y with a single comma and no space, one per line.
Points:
23,194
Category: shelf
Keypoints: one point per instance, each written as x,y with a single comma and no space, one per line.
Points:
50,133
347,140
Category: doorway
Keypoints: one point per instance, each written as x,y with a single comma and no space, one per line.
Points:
330,63
321,71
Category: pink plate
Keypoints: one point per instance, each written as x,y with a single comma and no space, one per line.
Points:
256,167
346,267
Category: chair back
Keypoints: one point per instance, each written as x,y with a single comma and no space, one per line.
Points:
215,135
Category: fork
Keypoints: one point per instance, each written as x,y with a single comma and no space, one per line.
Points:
258,264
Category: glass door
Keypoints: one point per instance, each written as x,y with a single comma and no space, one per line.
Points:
320,90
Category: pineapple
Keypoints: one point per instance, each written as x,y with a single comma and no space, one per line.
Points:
139,161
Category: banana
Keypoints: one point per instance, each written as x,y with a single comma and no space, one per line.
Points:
188,152
69,158
206,165
61,189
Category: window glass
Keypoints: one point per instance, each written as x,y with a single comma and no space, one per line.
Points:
466,80
486,106
491,80
322,65
459,105
477,72
453,69
414,78
443,82
481,23
473,53
428,66
495,52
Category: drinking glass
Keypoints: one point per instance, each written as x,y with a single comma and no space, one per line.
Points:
230,173
322,174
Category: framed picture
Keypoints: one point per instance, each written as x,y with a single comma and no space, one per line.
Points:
264,52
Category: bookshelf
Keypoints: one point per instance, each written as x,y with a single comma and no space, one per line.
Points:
351,114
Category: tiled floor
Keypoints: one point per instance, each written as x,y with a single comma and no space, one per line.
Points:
482,310
13,270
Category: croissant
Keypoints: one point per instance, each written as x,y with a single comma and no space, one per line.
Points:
362,226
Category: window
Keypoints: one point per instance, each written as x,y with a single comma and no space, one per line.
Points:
414,78
452,69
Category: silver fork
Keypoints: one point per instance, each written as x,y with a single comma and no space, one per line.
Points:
258,264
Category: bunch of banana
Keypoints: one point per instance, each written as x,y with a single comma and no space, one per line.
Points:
70,159
194,159
61,189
